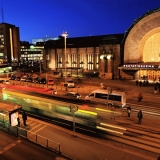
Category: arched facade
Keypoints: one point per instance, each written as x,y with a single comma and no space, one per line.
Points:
141,47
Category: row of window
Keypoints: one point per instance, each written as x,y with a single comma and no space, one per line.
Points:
110,97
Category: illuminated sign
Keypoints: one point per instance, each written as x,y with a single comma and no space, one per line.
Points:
13,119
13,115
1,54
140,66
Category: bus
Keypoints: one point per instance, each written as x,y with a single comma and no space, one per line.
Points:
115,98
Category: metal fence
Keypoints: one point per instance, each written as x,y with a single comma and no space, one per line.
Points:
21,132
59,87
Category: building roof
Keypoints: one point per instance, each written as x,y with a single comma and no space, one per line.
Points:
137,20
80,42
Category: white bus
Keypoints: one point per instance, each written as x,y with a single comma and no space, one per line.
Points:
113,99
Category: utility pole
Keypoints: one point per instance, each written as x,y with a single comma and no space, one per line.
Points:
73,109
109,92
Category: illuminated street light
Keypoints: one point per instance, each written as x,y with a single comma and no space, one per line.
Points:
65,34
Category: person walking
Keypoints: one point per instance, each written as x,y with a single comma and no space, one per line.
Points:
24,117
140,116
129,110
140,97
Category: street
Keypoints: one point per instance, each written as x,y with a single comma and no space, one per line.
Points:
134,141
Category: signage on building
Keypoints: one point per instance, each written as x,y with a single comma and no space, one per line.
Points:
138,66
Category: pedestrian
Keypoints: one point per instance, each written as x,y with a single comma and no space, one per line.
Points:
140,116
110,90
140,83
147,82
140,97
18,120
24,117
129,110
155,89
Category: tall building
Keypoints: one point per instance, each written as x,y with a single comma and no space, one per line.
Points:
9,43
31,52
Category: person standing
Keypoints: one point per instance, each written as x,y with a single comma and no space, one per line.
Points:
129,110
18,120
140,116
140,97
24,117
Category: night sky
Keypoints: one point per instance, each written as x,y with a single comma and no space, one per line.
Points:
41,18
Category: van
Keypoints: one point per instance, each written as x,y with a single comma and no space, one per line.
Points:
114,98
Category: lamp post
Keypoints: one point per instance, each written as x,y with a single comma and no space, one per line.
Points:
40,65
65,34
73,109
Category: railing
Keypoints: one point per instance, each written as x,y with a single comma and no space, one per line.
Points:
38,139
58,87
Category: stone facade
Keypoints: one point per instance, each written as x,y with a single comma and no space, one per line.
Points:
84,57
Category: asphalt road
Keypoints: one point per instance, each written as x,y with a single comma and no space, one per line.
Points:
83,147
15,148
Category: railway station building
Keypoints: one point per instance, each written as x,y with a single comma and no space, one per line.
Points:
141,48
132,55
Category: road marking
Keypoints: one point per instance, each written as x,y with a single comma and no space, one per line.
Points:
34,132
10,146
37,126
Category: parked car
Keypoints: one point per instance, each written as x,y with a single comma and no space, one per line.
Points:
29,79
23,79
6,81
12,77
17,78
35,80
50,82
1,80
73,94
42,80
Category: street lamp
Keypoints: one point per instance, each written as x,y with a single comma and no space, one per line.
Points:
40,67
65,34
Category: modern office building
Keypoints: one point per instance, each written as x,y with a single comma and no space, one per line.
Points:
31,52
9,44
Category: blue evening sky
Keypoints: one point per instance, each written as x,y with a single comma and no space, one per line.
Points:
41,18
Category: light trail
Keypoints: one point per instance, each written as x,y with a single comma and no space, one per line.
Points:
108,125
109,130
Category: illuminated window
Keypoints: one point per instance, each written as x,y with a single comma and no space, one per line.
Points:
90,61
151,49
